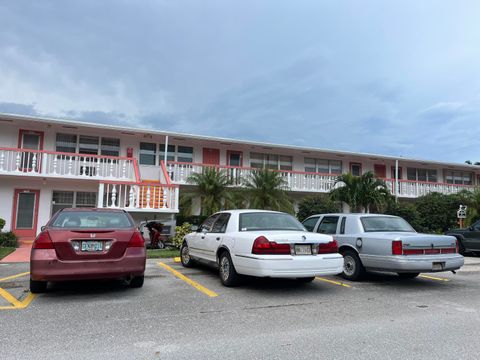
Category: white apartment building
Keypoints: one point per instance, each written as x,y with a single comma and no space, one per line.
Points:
48,164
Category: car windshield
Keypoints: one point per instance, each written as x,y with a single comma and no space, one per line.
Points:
269,221
385,223
91,220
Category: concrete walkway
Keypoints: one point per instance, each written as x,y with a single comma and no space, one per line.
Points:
21,254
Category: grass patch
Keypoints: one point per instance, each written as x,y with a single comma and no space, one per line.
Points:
4,251
162,253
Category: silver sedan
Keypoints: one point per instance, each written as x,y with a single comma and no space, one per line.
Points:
386,243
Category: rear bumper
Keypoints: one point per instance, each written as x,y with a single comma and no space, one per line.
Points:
415,263
45,266
286,266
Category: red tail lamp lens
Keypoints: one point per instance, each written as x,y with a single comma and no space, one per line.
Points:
262,246
43,241
328,248
397,247
136,240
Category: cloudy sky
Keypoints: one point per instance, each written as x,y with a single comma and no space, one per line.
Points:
399,77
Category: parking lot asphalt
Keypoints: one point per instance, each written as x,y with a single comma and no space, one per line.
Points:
187,314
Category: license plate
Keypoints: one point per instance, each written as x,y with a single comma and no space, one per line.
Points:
303,250
92,246
437,266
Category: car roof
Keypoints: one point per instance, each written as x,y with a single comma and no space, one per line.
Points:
86,209
352,215
242,211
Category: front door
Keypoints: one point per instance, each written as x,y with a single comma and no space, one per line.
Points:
234,158
211,156
30,140
25,212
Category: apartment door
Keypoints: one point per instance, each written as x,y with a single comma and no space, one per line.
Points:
25,212
234,158
30,140
211,156
380,171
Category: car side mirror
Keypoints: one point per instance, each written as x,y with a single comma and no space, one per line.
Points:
471,228
204,231
43,228
194,228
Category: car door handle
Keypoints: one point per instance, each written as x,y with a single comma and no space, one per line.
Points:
218,239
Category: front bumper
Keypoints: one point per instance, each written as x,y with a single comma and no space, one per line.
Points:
45,266
286,266
414,263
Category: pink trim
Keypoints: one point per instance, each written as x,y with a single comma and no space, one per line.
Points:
68,154
138,183
165,172
25,232
136,169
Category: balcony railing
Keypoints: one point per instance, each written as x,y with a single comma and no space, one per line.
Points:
147,197
311,182
67,165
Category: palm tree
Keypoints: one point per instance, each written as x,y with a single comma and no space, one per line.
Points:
212,185
360,192
265,189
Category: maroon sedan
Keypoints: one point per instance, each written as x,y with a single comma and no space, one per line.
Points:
80,244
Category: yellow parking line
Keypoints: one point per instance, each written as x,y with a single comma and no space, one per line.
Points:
10,298
14,276
176,259
334,282
433,278
189,281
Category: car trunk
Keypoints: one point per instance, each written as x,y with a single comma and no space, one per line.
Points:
427,241
295,237
88,242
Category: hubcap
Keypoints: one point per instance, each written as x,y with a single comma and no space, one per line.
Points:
185,255
348,265
225,268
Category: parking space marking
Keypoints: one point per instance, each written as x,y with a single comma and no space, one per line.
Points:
433,278
339,283
16,304
189,281
14,276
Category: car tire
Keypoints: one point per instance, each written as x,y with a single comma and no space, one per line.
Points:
306,279
38,287
137,281
185,258
228,275
408,275
353,269
461,248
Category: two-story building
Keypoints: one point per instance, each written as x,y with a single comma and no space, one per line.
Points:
49,164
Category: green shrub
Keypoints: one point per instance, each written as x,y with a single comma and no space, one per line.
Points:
180,232
317,205
2,224
8,239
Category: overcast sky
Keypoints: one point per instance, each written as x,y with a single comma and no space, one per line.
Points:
391,77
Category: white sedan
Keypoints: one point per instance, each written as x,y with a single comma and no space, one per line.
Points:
261,243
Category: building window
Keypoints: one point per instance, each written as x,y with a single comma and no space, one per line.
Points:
176,153
323,166
271,161
147,153
184,154
419,174
356,169
110,147
399,172
458,177
71,199
170,154
66,143
88,145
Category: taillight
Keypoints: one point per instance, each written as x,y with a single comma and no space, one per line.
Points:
328,248
43,241
457,246
448,251
136,240
261,246
397,247
413,252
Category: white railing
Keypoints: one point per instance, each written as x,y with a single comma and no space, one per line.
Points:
414,189
311,182
138,197
57,164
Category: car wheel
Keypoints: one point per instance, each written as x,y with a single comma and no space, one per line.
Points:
37,287
408,275
228,274
306,279
352,266
185,258
137,281
161,245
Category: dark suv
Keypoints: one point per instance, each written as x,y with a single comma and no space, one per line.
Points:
468,238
